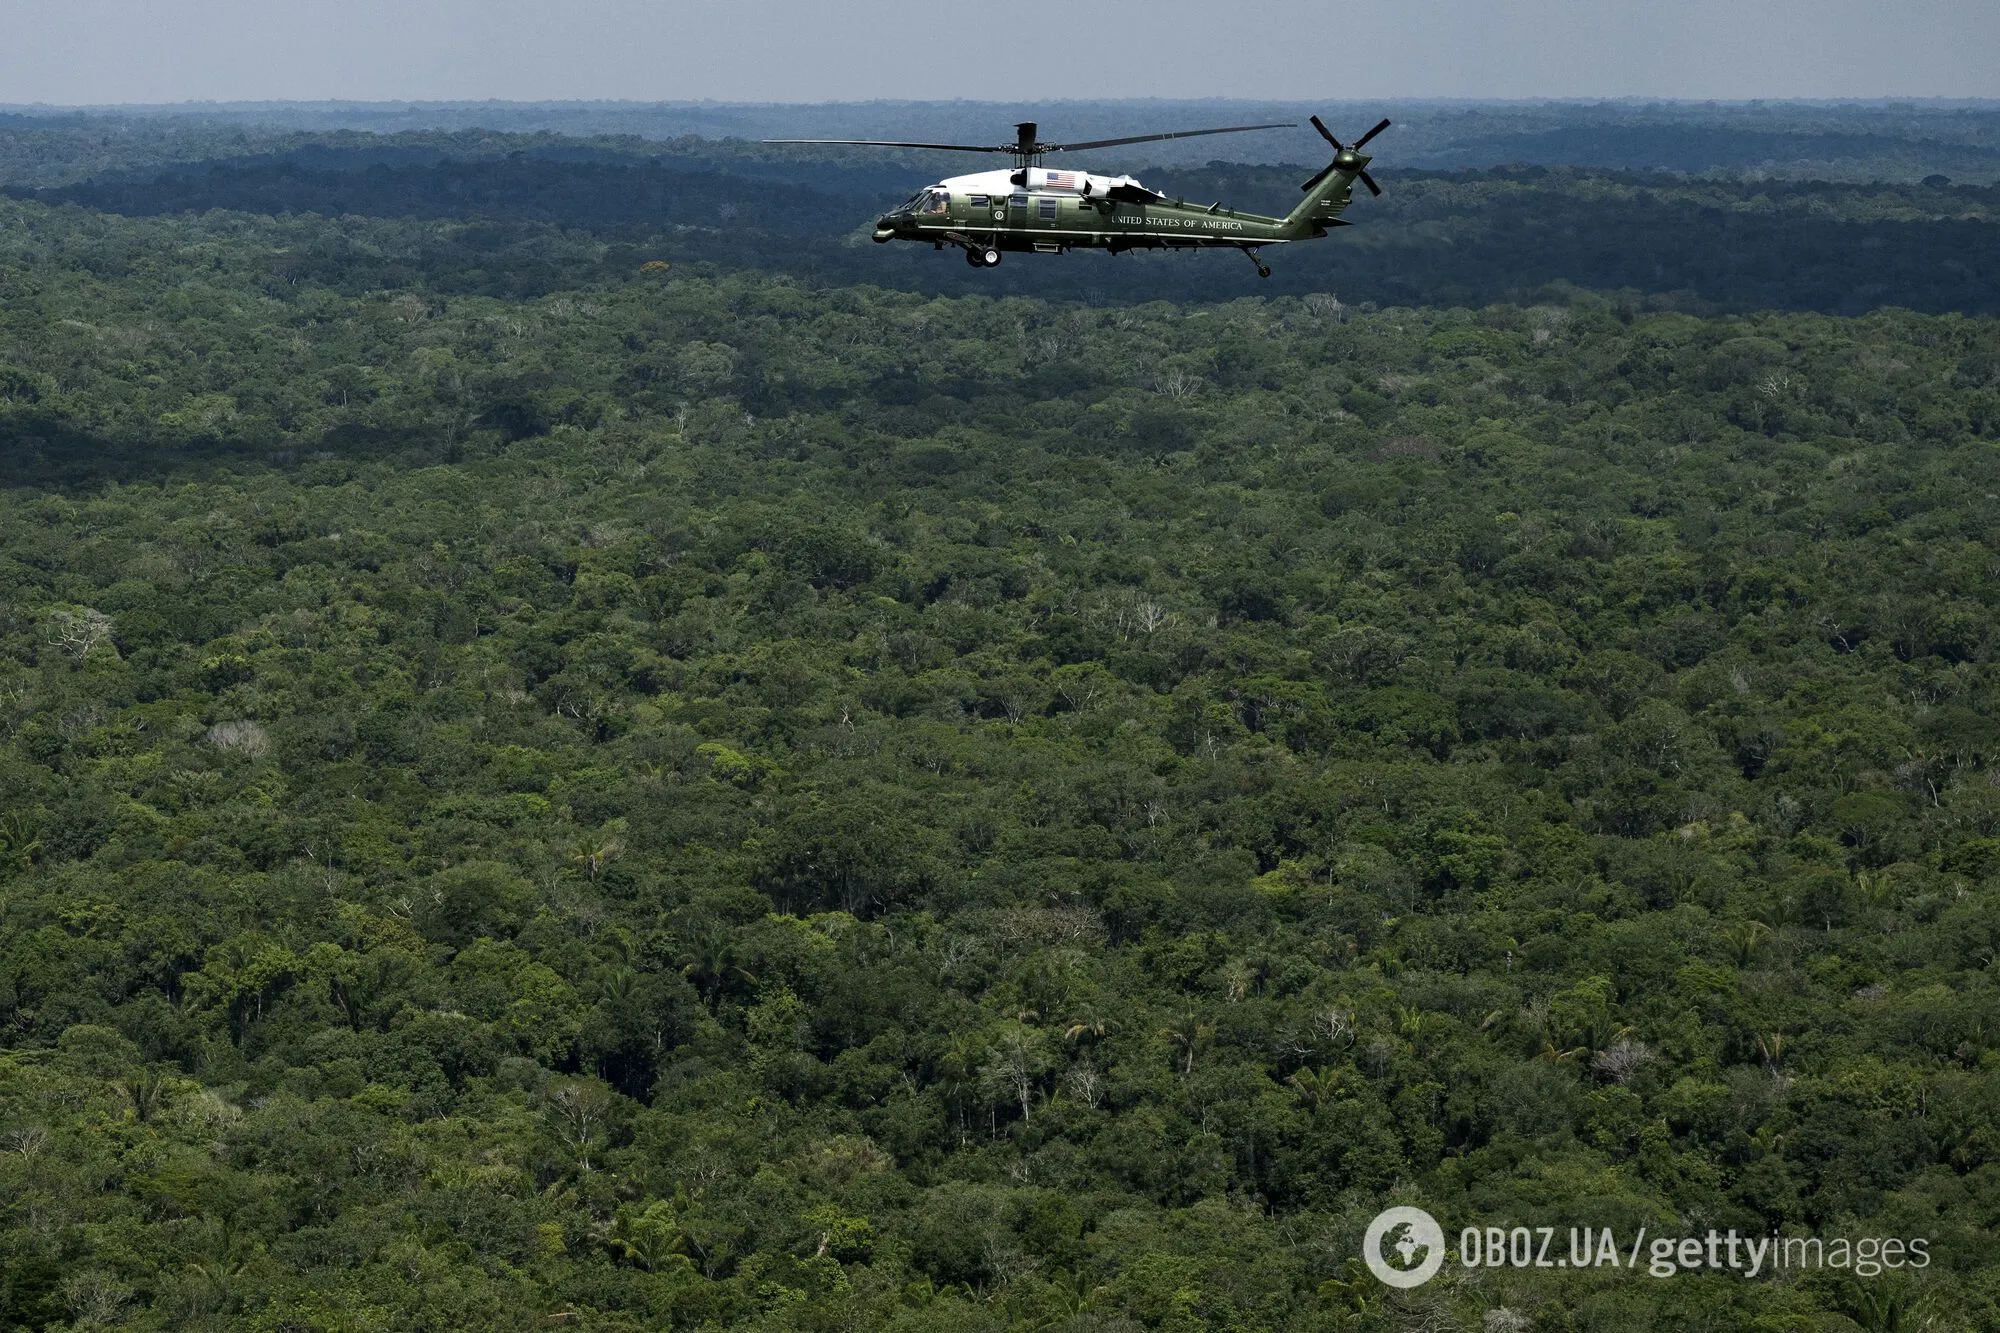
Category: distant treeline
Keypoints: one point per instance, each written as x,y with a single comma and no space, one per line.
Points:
1452,238
1851,141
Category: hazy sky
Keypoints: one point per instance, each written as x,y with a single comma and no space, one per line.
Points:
101,51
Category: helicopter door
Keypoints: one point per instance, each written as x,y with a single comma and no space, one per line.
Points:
1017,209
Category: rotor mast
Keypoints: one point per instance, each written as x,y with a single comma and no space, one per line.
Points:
1028,149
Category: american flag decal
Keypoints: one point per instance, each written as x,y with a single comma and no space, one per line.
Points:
1061,180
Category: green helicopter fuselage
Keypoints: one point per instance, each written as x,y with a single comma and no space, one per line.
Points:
1032,209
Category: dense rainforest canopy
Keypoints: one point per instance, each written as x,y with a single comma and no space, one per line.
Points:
735,797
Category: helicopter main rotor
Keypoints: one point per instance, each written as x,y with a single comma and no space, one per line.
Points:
1027,150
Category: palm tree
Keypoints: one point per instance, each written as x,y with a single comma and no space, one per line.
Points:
593,854
147,1088
1317,1086
1743,939
1091,1025
710,960
1418,1027
1188,1036
1557,1054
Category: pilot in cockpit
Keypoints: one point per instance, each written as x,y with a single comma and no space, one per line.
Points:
926,201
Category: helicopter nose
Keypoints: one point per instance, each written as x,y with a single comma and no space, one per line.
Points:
885,230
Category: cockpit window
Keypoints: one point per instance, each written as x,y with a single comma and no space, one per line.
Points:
926,201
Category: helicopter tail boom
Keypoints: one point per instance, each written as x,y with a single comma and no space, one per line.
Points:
1322,207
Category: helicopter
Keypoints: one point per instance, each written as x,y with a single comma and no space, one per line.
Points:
1033,210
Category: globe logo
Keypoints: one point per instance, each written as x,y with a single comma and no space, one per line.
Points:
1404,1247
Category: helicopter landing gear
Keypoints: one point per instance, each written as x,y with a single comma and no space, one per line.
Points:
979,254
1263,269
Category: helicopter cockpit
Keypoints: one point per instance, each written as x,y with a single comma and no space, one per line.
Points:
933,200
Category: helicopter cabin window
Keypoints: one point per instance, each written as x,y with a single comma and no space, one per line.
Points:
1019,201
1048,208
977,200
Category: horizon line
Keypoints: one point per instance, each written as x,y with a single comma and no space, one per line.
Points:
1633,99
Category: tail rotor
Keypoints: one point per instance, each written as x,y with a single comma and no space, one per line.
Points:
1345,156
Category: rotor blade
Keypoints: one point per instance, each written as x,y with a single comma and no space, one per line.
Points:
1150,138
1373,188
1326,133
1321,175
894,143
1371,134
